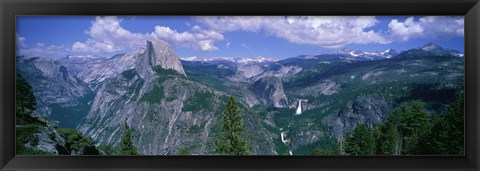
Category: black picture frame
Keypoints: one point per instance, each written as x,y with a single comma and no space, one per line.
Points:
11,8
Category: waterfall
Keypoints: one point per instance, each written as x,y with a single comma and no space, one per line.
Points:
299,108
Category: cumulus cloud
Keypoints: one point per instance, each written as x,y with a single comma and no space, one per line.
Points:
233,23
107,35
323,31
20,41
434,27
198,38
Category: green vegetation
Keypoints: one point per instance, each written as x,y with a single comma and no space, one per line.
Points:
195,129
208,75
152,116
360,142
76,142
183,151
108,149
126,147
410,131
27,126
129,74
165,72
412,122
25,100
158,91
319,151
198,101
447,134
155,95
231,141
387,142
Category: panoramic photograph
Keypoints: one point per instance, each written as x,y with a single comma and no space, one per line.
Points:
240,85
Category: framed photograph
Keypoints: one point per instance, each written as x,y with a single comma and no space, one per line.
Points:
239,85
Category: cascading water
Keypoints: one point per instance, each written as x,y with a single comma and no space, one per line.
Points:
299,108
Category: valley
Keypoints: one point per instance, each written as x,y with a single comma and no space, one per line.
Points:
289,106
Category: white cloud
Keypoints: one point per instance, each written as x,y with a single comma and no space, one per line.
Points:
432,27
198,38
20,41
106,35
233,23
323,31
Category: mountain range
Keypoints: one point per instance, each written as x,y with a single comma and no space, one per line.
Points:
172,103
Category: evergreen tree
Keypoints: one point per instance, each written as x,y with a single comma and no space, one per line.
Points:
126,146
377,136
448,130
412,123
24,98
231,140
360,142
388,142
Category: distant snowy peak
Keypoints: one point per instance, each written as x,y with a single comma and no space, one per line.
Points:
354,54
389,53
82,57
244,60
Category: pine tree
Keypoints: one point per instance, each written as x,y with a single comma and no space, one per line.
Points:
448,130
231,140
25,100
126,146
412,123
388,142
360,142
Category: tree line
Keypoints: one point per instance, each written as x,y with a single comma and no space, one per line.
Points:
409,130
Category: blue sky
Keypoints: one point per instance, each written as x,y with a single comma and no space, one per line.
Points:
233,36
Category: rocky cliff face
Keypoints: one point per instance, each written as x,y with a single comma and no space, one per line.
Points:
164,119
95,70
362,110
158,53
168,111
269,91
60,95
165,110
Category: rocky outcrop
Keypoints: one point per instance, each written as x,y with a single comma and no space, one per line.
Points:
269,91
305,137
95,70
59,94
324,87
172,113
362,110
158,53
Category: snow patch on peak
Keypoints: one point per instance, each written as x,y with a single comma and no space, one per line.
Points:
240,60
